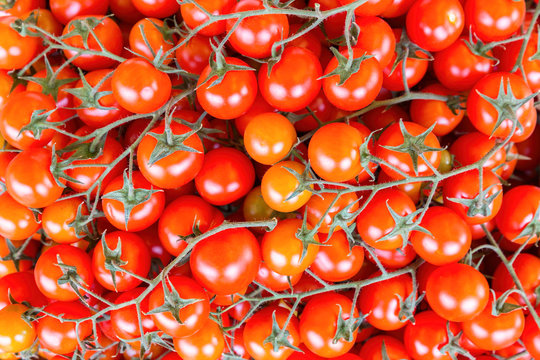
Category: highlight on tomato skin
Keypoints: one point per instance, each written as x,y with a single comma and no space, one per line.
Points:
269,180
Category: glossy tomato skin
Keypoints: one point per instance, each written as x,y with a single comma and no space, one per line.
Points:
415,69
527,269
125,11
273,280
376,38
65,10
146,39
139,87
156,8
494,20
450,238
254,36
484,116
61,337
226,176
435,24
233,96
318,324
17,222
278,184
531,66
193,316
125,322
16,50
206,344
360,89
20,286
324,204
15,334
518,208
531,336
471,147
142,215
194,17
484,330
293,82
48,272
176,169
259,327
227,262
458,68
457,304
372,348
133,252
193,55
370,7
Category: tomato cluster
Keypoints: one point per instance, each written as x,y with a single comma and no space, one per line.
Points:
267,179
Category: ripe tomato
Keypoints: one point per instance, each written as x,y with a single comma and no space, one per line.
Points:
372,348
494,20
284,253
226,176
64,100
206,344
484,116
470,148
435,24
125,11
58,336
105,35
376,221
370,7
527,268
261,325
323,205
376,38
397,8
401,160
393,259
53,279
193,316
457,303
20,286
16,334
254,36
125,321
118,203
232,96
450,238
531,336
381,301
65,10
131,254
415,69
193,55
484,330
195,17
319,324
531,66
360,89
518,209
156,8
227,262
148,36
293,83
273,280
17,222
465,187
15,50
139,87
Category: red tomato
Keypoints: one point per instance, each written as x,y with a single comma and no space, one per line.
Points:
15,50
468,149
531,336
148,36
17,222
394,259
273,280
125,321
20,286
376,38
65,10
193,55
206,344
372,349
323,110
519,207
415,69
381,117
397,8
125,11
370,7
527,268
324,204
494,20
531,66
156,8
195,17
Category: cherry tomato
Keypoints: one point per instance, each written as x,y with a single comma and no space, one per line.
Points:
370,7
20,286
494,20
372,349
125,321
415,69
519,207
150,35
16,334
16,50
376,38
193,55
206,344
527,269
65,10
468,149
531,336
324,204
195,17
273,280
156,8
17,222
125,11
531,66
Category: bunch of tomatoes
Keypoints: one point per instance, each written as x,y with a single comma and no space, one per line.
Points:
269,179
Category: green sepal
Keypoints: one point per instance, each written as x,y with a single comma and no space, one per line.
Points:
50,84
404,225
279,337
39,122
173,302
452,348
113,260
406,49
345,68
88,95
346,329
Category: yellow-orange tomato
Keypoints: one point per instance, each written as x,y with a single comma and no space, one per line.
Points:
278,184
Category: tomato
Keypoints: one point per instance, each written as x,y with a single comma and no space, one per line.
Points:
261,325
193,55
206,344
376,38
61,337
179,166
450,238
527,268
457,303
156,8
360,89
478,208
370,7
227,262
324,204
139,87
427,112
531,66
6,88
309,40
15,333
117,202
415,69
381,301
323,110
226,176
65,10
19,7
494,20
254,36
319,321
195,17
381,117
125,11
293,82
99,117
458,68
372,349
131,254
273,280
376,222
401,159
54,280
531,336
485,329
20,286
484,116
232,96
17,222
393,259
435,24
429,333
397,8
155,39
334,152
17,113
125,321
133,353
254,208
105,34
468,149
518,210
16,51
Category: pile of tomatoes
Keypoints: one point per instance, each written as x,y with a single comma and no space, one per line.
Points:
269,179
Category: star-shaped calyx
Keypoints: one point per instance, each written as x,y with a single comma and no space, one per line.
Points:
279,337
